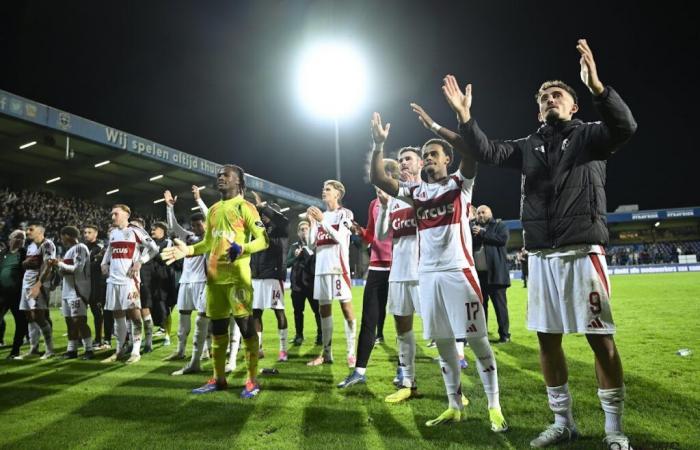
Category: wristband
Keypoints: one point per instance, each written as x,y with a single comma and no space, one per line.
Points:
435,127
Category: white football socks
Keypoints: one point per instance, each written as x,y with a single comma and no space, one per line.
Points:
449,363
560,404
486,366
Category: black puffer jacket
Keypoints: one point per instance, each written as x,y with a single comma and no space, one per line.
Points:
563,172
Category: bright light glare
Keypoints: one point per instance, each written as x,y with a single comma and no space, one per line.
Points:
331,79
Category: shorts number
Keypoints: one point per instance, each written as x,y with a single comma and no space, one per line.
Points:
472,310
276,295
594,301
337,285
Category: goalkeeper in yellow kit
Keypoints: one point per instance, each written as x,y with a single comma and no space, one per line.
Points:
233,232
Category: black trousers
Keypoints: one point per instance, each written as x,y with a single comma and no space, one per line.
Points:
299,299
373,305
497,293
9,300
108,322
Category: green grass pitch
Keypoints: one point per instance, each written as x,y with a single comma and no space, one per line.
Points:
84,404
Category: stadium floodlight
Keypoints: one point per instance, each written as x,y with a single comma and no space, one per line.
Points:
331,83
160,200
27,145
53,180
157,177
656,225
113,191
103,163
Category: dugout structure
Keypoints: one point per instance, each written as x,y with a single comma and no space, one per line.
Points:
47,149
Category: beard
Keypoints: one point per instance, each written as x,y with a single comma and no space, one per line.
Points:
551,116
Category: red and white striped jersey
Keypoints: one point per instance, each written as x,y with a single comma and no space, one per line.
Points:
39,254
332,240
126,247
75,269
402,227
444,236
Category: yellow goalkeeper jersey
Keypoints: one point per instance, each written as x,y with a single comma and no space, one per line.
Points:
232,220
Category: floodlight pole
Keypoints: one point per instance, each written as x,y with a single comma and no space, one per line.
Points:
337,150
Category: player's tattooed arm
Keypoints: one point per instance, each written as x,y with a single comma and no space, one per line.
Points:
377,174
467,164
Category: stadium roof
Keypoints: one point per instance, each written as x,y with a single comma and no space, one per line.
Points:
39,144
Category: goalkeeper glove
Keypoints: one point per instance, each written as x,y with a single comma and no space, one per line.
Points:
234,251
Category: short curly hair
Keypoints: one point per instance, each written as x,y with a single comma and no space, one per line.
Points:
555,83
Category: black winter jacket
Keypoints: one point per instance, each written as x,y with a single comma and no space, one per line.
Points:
563,172
270,263
494,238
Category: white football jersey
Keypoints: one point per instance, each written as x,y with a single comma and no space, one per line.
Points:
332,240
75,269
402,226
126,247
444,236
40,254
194,267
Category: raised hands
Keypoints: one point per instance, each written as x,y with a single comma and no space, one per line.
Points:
379,132
589,72
169,199
195,193
423,116
177,251
460,102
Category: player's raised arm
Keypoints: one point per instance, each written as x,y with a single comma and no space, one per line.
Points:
500,153
171,220
618,124
467,165
198,199
377,174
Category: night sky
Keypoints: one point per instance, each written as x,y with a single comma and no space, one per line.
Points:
218,81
